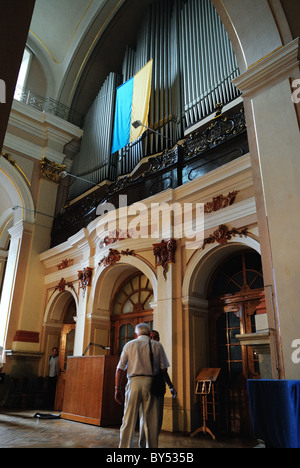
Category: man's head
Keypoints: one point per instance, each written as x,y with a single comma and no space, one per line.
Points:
142,329
54,351
154,335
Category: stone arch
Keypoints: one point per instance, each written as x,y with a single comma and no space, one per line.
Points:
55,309
106,282
202,264
17,210
251,44
15,194
113,276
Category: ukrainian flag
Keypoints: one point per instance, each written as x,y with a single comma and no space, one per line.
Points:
132,103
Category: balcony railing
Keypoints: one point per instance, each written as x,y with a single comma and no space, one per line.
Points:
47,105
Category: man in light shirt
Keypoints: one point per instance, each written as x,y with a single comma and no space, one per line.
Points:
135,358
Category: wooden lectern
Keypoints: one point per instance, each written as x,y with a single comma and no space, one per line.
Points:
205,386
89,391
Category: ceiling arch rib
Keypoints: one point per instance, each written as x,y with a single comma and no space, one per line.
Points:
78,26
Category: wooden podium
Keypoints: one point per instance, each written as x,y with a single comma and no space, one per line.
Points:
89,391
205,386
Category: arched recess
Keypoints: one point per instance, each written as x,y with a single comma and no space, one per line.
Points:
106,283
16,211
202,263
57,306
15,192
61,309
59,330
107,279
200,269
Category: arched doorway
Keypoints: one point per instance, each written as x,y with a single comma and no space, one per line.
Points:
66,348
130,306
60,326
233,296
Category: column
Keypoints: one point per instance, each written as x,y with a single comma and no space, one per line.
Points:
274,140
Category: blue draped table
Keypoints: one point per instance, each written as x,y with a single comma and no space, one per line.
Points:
275,411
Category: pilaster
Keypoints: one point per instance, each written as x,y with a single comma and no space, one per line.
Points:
274,140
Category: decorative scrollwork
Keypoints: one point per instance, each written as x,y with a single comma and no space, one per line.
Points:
65,264
164,254
114,236
114,256
220,202
51,170
221,129
223,234
85,277
63,284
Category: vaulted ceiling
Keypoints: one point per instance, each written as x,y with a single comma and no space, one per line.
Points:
78,43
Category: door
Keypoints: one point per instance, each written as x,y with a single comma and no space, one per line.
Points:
235,295
65,350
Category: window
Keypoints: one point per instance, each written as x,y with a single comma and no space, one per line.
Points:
130,306
243,272
23,74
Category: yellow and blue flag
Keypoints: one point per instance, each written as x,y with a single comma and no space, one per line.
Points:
132,104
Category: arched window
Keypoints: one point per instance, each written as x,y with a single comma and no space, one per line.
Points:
130,306
241,273
23,74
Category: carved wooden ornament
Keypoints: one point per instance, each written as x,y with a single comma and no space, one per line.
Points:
223,234
114,256
164,254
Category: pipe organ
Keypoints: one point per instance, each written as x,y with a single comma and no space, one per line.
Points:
193,68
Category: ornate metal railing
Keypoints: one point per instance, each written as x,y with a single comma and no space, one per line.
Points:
223,140
47,104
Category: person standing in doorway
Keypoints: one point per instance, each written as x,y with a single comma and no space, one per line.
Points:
135,358
52,378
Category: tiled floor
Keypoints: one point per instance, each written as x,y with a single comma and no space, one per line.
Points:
21,429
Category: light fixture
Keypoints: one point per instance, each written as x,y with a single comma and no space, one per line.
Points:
64,174
16,207
138,123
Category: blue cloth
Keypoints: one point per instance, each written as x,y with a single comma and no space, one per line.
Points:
275,411
122,123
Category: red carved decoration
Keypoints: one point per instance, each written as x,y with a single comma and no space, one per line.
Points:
164,254
114,256
223,234
220,202
61,286
114,236
85,277
65,264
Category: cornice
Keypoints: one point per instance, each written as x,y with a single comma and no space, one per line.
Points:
280,64
33,117
195,302
19,228
51,131
231,213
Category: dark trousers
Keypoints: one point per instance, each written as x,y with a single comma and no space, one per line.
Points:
51,391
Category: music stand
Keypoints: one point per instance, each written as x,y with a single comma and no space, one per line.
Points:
205,385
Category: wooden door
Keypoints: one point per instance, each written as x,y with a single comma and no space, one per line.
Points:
235,294
65,350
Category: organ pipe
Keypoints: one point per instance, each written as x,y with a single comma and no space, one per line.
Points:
93,162
193,68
